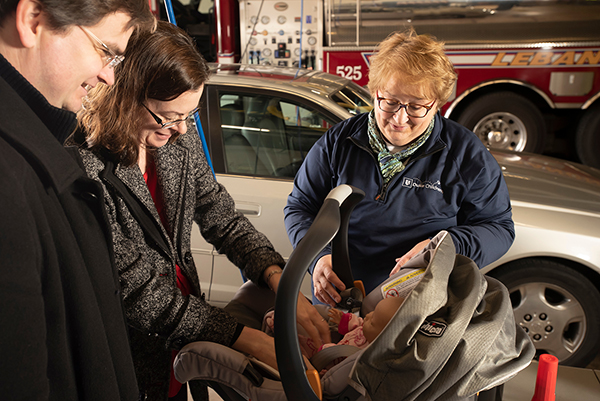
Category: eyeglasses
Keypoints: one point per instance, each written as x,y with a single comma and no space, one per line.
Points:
412,110
112,59
169,123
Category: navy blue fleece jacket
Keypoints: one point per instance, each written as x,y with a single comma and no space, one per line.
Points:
451,183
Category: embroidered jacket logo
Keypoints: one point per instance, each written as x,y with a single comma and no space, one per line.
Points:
432,329
416,183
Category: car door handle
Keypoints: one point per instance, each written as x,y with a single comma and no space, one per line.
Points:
248,209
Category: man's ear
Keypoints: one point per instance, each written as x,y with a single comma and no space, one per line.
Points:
28,18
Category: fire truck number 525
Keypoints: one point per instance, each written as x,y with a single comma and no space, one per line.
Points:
349,72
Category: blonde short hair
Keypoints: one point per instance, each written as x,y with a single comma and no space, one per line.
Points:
415,61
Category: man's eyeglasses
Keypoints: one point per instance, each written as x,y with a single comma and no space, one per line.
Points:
169,123
112,59
412,110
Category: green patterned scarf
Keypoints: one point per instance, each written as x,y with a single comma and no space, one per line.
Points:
391,164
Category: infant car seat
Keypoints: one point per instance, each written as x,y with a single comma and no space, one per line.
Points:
454,335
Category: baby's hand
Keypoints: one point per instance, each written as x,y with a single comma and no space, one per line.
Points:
335,315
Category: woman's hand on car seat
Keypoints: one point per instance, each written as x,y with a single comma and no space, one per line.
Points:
325,282
306,315
258,344
312,322
409,255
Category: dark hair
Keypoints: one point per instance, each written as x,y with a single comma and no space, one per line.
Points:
161,66
63,14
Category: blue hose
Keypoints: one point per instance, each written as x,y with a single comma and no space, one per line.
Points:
171,19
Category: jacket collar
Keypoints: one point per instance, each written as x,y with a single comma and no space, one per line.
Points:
35,128
61,123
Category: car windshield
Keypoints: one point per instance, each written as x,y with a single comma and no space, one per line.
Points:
353,98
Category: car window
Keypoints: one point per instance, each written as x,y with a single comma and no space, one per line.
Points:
268,136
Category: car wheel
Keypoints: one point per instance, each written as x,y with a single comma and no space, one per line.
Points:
588,137
507,121
557,306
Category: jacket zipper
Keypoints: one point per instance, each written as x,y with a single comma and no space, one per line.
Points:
380,197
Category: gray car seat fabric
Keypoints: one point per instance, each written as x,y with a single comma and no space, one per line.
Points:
454,336
250,303
456,330
233,371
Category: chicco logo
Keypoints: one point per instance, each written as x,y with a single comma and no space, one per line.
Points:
432,329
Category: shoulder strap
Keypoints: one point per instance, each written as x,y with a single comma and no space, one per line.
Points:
141,214
327,355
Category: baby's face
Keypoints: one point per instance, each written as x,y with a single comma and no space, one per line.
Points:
374,322
371,326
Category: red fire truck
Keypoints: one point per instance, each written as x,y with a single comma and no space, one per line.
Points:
523,66
528,71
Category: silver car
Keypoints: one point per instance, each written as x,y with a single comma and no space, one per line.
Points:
259,124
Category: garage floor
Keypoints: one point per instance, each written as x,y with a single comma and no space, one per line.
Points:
595,363
577,382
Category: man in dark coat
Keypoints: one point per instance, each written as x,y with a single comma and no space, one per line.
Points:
62,329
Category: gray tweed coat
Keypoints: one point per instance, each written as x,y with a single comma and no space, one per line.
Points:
162,319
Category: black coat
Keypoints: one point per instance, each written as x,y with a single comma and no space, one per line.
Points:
62,329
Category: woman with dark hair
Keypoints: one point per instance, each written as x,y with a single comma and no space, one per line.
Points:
157,182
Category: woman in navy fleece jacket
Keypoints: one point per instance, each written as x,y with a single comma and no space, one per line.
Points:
421,173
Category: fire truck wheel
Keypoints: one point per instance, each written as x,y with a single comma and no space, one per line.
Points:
556,305
505,120
587,140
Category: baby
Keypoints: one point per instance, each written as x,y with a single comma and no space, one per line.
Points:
357,331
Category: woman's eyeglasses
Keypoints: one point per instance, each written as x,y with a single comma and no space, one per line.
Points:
412,110
169,123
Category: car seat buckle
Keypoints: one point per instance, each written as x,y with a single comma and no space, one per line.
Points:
351,299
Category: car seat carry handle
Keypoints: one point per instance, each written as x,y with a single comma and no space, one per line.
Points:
287,346
340,258
315,382
354,293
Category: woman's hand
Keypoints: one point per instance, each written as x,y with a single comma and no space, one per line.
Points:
312,322
258,344
306,315
415,250
324,280
261,346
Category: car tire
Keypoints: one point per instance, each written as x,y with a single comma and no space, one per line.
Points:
507,121
587,139
557,306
